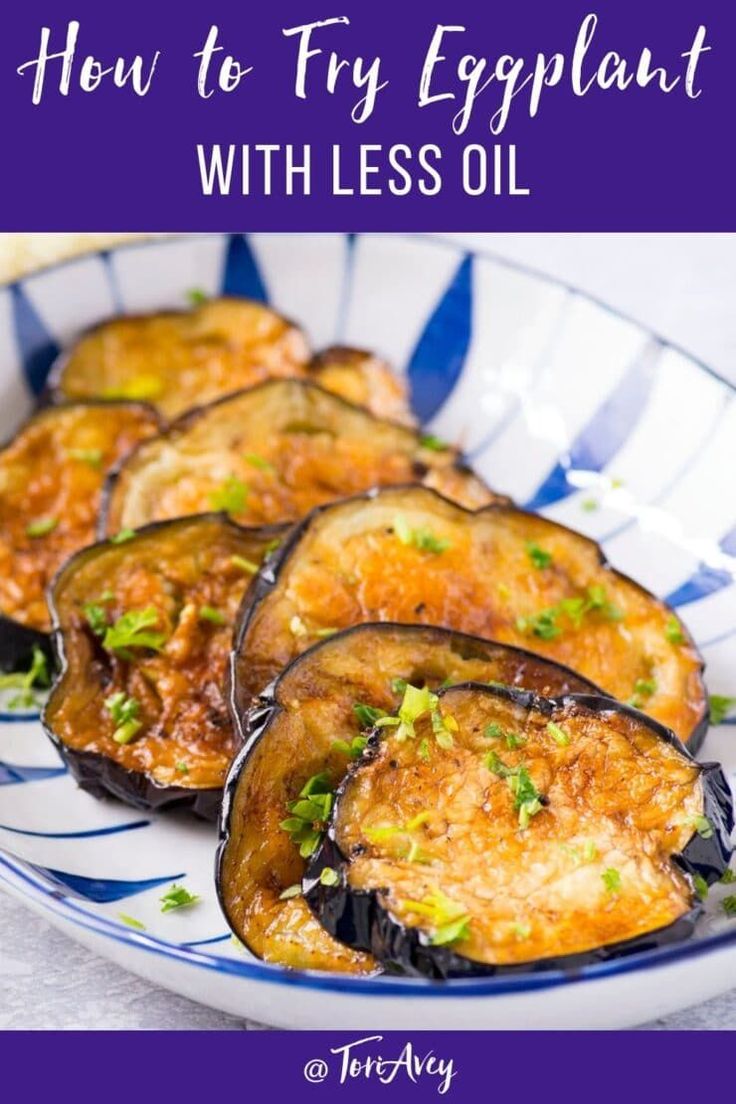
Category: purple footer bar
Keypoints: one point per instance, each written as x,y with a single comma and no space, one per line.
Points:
121,1067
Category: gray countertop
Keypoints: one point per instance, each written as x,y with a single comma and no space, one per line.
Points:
684,287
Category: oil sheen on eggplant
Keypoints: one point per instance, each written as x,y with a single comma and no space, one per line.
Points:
51,478
407,554
271,453
363,378
182,581
305,725
181,359
528,833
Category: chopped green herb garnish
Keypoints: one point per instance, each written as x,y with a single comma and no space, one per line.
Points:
418,702
539,556
527,799
590,851
367,714
122,536
248,566
182,767
309,814
643,690
137,388
729,877
354,749
326,631
720,707
291,891
259,462
436,444
131,921
196,297
522,931
702,826
448,918
560,737
673,631
41,527
421,538
700,886
497,766
328,876
589,505
544,624
96,618
37,675
209,613
423,749
124,712
230,497
93,457
611,879
398,685
728,904
131,631
177,897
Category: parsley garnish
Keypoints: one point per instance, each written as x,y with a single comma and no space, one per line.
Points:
435,444
290,891
494,731
729,877
328,876
130,631
643,690
96,618
720,707
700,886
309,814
247,566
448,918
527,798
259,462
177,897
560,737
124,712
182,767
37,675
354,749
230,497
41,527
197,297
209,613
398,685
137,388
702,826
421,538
589,505
539,556
367,714
122,536
728,904
93,457
418,702
131,921
546,624
611,879
673,631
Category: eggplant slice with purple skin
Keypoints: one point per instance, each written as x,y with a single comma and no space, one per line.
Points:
271,453
487,830
142,632
309,724
407,554
51,479
180,359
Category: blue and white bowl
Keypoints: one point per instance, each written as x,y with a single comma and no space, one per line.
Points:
559,402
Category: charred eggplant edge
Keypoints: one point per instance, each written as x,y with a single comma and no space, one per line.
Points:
255,724
17,640
357,918
96,773
267,578
183,421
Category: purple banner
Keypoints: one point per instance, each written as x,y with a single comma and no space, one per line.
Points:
451,116
366,1066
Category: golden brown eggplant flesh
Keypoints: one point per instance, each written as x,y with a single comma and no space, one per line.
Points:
310,723
409,555
490,829
51,479
363,378
142,630
180,359
271,453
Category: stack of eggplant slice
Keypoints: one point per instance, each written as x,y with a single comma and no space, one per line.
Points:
452,739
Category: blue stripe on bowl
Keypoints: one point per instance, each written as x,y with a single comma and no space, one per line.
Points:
706,580
36,346
240,274
13,775
606,432
99,890
88,833
439,355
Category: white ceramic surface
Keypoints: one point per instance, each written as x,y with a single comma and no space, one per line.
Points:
558,401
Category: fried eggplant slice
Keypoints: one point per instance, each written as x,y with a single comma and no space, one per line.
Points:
364,379
51,479
143,629
486,829
180,359
310,724
271,453
407,554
